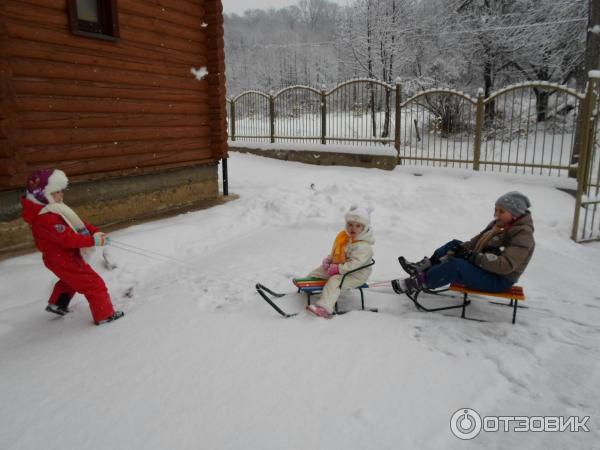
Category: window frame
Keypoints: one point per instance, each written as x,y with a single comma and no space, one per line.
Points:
106,29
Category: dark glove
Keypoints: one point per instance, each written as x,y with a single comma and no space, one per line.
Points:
460,251
472,258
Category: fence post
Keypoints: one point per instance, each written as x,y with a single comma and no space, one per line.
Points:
272,117
323,118
225,177
232,118
478,130
398,117
584,152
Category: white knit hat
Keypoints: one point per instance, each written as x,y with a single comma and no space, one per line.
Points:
359,214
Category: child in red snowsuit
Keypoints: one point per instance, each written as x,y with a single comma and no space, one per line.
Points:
60,234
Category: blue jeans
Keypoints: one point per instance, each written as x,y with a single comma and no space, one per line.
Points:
459,270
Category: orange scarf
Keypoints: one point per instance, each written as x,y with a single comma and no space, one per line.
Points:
338,251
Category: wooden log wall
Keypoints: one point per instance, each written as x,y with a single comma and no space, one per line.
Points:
99,109
216,74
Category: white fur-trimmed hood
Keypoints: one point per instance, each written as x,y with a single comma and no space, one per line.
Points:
359,215
58,181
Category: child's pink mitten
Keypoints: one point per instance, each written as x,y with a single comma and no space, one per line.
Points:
334,269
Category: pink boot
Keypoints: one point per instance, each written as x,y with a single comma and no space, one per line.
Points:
319,311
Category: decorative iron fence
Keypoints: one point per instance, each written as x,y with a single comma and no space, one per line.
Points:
523,128
528,128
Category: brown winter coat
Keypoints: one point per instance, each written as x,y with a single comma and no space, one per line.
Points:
508,252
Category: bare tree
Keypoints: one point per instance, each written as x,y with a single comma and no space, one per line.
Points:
315,12
461,43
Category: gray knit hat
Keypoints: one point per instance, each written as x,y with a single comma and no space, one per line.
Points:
514,202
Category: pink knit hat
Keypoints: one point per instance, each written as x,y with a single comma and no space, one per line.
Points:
44,182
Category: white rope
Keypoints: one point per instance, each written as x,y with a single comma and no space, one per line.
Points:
143,252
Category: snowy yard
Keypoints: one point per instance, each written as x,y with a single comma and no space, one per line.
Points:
201,362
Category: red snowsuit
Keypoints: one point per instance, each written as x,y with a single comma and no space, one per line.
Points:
60,246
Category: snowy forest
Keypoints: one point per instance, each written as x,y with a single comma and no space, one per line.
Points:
463,44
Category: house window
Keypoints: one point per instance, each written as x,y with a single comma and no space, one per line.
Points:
94,18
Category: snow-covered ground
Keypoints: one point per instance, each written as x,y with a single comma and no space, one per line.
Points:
201,362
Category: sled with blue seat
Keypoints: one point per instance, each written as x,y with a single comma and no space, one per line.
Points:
314,286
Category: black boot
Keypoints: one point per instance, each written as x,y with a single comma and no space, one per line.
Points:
55,309
116,315
414,269
409,286
414,285
398,286
63,301
61,307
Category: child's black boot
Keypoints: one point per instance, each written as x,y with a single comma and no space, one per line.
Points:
415,268
409,286
116,315
61,307
56,309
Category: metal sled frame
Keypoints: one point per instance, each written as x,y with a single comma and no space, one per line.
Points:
261,289
420,307
414,297
315,290
515,294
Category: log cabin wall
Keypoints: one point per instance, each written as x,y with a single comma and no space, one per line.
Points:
103,110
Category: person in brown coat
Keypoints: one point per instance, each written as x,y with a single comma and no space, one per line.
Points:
492,261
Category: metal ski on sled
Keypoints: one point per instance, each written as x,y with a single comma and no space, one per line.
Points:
515,294
312,286
413,296
263,291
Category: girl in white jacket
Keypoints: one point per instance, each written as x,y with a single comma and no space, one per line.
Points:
352,248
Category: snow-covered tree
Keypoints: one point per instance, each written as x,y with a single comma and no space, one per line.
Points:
516,40
465,44
272,49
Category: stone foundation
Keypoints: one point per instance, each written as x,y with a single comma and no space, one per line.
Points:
323,158
117,201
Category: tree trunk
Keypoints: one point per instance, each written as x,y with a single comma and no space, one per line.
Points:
370,68
372,108
490,108
386,122
541,103
386,130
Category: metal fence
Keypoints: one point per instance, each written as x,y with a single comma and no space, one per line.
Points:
358,111
527,128
523,128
